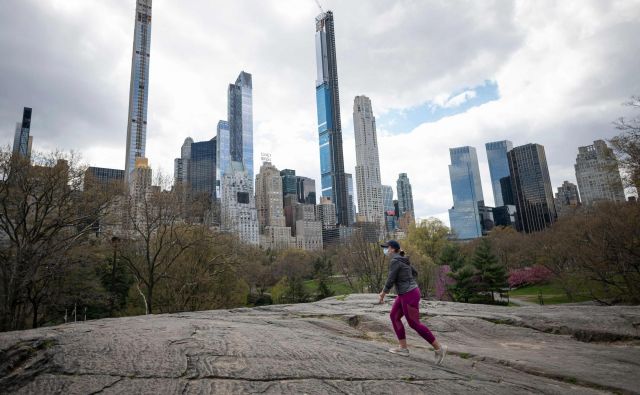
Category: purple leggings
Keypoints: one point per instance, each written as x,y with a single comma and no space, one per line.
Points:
407,305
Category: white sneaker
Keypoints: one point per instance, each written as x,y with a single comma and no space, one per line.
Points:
400,351
440,354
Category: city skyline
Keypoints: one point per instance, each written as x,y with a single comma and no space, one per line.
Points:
96,125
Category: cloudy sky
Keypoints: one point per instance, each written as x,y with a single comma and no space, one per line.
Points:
440,74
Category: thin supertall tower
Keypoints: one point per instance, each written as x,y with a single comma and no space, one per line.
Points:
139,89
333,182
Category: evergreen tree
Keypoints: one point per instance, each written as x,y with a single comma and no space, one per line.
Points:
491,275
452,256
465,285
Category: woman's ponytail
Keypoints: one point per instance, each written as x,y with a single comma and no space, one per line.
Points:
401,252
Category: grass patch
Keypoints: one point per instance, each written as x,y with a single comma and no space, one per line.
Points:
338,285
464,355
552,293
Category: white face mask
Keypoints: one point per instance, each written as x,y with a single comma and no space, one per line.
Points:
386,251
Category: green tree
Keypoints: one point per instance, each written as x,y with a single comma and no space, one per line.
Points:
323,268
452,256
289,290
491,275
465,285
428,237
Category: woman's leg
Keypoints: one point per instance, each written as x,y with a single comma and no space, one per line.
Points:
411,305
396,320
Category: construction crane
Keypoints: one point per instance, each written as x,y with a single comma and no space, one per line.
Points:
319,6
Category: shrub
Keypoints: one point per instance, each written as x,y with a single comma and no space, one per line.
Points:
529,276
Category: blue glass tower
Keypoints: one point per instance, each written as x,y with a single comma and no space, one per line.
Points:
498,166
333,183
139,89
240,116
202,168
466,189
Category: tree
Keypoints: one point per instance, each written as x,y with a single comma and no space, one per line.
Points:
367,262
626,145
44,214
452,256
511,247
428,237
323,267
157,237
115,277
465,285
491,275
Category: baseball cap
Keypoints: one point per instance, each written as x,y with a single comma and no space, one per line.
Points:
391,243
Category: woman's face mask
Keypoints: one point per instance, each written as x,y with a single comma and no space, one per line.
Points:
386,251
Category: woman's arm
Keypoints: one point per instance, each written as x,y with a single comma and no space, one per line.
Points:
391,279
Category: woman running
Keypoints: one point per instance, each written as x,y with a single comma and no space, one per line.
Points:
407,303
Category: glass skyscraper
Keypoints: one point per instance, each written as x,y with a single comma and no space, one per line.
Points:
531,186
333,182
306,190
223,154
102,177
466,189
139,89
21,138
498,166
202,168
389,207
405,196
289,182
240,116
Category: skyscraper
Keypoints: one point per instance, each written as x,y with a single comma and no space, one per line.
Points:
333,182
567,198
387,198
101,177
367,162
181,164
405,196
531,186
22,139
326,214
466,189
202,168
240,116
351,207
289,182
389,208
598,175
139,89
140,178
223,154
269,201
498,166
306,190
238,208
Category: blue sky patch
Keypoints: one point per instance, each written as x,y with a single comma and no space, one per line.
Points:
405,120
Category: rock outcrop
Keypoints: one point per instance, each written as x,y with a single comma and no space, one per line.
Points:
338,345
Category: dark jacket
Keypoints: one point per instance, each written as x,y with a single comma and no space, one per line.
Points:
401,274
